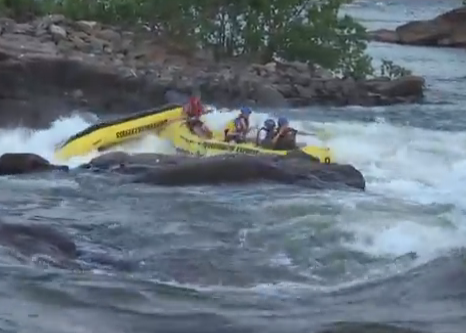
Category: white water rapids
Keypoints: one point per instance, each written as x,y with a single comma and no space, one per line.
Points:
418,166
415,200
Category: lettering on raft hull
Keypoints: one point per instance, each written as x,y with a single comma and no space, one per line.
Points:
236,149
230,148
140,129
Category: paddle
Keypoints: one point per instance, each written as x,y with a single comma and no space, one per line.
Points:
320,134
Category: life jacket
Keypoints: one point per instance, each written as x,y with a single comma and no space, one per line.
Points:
192,112
192,116
269,135
287,140
289,131
234,125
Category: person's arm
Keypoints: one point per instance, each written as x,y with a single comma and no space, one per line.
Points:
206,110
261,135
207,131
277,136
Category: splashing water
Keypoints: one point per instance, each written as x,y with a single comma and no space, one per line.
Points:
402,165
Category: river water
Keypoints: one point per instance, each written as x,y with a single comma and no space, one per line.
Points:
265,258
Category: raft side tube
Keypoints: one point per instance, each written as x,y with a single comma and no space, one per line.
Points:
142,114
114,132
185,140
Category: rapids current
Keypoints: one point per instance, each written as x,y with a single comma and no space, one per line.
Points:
268,258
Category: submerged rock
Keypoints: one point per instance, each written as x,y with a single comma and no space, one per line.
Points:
37,239
168,170
446,30
132,164
183,171
361,327
253,169
21,163
53,64
44,244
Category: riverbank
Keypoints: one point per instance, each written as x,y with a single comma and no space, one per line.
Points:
445,30
58,64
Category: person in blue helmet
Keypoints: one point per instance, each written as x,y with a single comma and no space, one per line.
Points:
238,128
285,137
266,134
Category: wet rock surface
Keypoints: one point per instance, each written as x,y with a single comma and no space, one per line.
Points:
53,64
347,327
164,170
47,246
445,30
23,163
167,170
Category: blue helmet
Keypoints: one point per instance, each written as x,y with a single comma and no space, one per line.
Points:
246,111
282,121
269,124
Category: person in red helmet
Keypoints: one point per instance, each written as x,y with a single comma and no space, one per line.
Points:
192,112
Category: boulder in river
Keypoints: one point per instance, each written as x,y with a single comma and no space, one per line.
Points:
37,239
52,64
446,30
165,170
44,244
21,163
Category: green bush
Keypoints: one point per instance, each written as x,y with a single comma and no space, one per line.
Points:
303,30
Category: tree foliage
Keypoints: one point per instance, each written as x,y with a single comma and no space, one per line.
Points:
310,31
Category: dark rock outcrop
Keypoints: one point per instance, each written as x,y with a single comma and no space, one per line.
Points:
349,327
46,245
52,64
37,239
252,169
182,171
166,170
21,163
446,30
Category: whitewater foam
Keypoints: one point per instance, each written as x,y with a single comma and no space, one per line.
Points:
43,142
415,199
386,153
417,163
408,170
401,164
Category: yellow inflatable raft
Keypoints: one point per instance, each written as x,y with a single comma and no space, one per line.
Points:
107,134
186,141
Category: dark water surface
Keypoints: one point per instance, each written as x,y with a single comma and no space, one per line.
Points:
262,258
